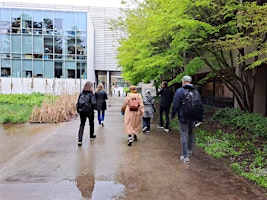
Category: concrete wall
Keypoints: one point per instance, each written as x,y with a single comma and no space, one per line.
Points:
48,86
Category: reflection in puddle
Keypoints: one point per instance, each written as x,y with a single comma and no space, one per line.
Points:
108,190
98,190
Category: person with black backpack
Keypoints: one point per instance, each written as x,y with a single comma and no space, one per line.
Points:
85,107
187,103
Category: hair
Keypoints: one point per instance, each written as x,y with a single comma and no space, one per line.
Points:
88,86
100,87
187,79
165,83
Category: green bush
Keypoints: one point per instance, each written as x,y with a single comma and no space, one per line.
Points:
17,108
251,122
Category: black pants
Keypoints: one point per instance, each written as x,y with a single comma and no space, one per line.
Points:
83,117
161,111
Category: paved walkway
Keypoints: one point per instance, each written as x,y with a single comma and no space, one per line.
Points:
43,161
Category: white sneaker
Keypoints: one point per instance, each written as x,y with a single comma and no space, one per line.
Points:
160,127
130,141
144,129
166,130
197,124
185,159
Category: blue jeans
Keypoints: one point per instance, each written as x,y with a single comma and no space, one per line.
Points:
101,116
146,123
186,137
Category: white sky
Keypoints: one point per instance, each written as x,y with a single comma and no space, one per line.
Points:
102,3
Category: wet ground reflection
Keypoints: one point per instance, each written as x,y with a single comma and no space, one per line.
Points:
99,189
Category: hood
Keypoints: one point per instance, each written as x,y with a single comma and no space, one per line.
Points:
189,86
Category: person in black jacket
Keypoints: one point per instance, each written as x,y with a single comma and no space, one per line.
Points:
101,104
166,96
89,113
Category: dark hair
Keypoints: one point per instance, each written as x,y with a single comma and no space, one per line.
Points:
165,83
88,86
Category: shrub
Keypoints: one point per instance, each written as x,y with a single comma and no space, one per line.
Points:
251,122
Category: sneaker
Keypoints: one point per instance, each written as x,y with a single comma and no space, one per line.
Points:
135,137
130,141
147,131
189,152
185,159
79,144
160,127
93,136
197,124
144,129
102,123
166,130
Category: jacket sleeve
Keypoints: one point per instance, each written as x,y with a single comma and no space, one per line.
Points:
93,101
176,102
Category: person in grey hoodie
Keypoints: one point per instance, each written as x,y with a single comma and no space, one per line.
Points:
149,109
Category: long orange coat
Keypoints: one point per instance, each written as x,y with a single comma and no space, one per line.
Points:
132,119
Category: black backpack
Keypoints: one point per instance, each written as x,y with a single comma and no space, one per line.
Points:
84,103
192,104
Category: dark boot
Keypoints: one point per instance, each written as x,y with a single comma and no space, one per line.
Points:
80,136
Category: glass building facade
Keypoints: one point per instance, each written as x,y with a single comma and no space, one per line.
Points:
43,43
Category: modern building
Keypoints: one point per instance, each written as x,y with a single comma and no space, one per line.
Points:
55,41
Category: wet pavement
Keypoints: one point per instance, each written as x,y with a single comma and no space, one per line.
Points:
43,161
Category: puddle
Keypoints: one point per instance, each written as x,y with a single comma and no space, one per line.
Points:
102,190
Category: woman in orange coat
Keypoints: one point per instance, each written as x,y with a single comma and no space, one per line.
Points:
132,117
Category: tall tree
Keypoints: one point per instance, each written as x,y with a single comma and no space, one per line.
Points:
168,38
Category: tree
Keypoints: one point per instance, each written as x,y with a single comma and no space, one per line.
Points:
170,38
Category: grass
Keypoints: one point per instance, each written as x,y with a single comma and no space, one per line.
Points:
244,151
36,107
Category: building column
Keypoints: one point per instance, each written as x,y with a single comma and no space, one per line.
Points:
108,83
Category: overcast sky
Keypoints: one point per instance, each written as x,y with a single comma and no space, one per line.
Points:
102,3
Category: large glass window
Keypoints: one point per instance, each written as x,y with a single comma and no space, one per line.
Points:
16,20
27,44
81,21
37,68
16,68
5,17
58,20
16,44
38,46
43,43
48,24
26,22
37,22
69,21
5,43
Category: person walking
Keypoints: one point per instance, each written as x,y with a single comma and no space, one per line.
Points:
186,119
149,109
133,110
85,107
101,104
166,96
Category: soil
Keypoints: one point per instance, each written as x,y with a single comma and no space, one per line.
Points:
212,127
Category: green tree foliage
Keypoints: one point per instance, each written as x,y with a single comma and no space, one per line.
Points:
169,38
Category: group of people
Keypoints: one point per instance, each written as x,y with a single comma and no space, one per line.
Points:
168,100
135,107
